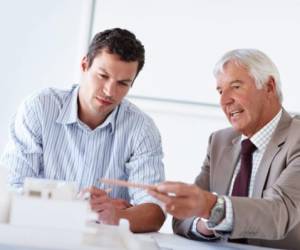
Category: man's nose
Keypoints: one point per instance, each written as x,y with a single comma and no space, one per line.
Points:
109,88
226,98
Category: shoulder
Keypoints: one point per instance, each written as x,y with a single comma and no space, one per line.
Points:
50,95
296,121
47,97
135,121
293,134
131,112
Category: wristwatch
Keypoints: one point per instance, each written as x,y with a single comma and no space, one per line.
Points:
217,213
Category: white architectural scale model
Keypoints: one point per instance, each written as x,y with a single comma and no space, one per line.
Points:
47,214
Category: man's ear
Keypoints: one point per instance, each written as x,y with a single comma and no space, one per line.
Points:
271,85
84,64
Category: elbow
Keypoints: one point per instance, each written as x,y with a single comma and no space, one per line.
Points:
150,222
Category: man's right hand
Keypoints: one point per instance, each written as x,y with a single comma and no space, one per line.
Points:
184,200
106,207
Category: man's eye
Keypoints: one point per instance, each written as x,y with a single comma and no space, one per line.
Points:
125,84
103,76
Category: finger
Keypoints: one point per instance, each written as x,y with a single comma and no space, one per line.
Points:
97,191
99,200
101,207
107,217
120,203
154,189
172,182
177,188
85,190
165,198
171,207
92,191
83,194
169,187
175,211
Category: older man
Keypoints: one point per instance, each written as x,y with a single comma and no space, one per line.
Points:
248,189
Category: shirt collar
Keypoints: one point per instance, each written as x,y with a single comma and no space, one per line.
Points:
69,112
262,137
110,120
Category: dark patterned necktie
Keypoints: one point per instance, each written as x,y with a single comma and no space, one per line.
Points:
242,180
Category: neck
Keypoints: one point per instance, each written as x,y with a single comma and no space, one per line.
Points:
273,111
268,114
89,119
92,120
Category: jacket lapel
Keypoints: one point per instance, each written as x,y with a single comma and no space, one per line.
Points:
227,164
274,146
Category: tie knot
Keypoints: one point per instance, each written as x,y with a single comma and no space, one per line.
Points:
247,147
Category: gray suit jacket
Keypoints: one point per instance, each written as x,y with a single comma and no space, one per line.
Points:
272,216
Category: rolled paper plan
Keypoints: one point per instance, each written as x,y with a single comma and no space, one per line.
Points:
126,184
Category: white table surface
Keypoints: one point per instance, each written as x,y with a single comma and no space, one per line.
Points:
165,242
175,242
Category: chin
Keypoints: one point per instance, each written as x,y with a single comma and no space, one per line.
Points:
237,127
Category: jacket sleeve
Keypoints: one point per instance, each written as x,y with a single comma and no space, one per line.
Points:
183,227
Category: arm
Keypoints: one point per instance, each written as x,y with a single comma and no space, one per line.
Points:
183,226
146,217
143,166
23,154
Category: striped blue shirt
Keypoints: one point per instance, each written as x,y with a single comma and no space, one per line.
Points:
47,140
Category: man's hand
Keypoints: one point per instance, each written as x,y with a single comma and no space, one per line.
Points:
108,209
184,200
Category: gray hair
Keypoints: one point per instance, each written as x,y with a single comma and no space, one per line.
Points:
258,64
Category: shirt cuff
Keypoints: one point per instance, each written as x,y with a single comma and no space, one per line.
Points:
144,197
195,232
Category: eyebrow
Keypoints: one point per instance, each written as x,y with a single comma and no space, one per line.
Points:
230,83
122,80
235,81
102,69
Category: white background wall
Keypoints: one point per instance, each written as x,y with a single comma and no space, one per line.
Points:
184,39
42,42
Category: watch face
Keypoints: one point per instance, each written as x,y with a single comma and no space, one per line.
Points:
210,224
217,214
219,211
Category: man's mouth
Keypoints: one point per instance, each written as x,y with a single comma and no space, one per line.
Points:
104,101
235,113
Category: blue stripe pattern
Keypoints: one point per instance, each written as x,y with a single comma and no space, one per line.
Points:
47,140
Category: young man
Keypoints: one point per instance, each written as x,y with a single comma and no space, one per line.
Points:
248,188
90,132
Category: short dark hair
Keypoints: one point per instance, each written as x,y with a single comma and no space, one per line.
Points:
117,41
